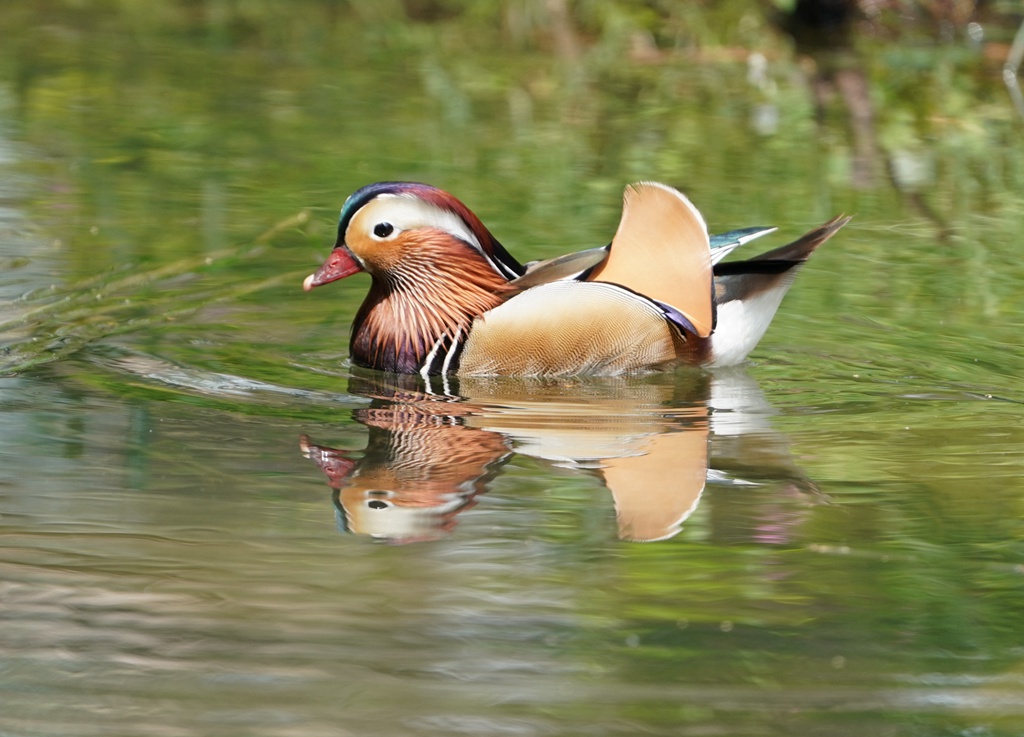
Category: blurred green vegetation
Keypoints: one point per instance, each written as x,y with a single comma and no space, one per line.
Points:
196,107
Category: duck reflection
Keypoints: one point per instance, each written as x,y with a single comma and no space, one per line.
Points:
647,438
422,465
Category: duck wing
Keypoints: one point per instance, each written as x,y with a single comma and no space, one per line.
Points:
569,266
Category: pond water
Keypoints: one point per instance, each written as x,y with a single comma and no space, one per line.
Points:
211,524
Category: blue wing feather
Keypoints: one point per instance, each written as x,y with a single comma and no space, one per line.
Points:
722,244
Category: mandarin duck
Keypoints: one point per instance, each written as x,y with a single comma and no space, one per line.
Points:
447,298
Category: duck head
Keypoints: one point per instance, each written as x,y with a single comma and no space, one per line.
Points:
434,268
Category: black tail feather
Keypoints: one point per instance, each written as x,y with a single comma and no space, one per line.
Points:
802,248
739,279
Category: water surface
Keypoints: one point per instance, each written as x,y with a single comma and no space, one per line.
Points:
212,524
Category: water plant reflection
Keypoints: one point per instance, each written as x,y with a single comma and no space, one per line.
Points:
653,441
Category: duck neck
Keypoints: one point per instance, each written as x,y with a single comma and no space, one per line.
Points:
409,315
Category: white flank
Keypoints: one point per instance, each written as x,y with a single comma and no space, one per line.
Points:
741,324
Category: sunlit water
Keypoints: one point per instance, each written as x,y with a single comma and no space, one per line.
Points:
211,524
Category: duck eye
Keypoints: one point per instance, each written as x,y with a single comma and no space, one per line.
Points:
383,230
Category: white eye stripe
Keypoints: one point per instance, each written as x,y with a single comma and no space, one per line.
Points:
408,212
